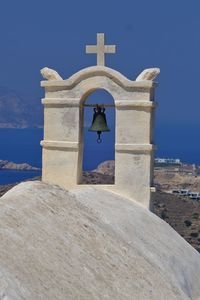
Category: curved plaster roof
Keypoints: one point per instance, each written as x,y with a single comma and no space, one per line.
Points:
90,244
97,71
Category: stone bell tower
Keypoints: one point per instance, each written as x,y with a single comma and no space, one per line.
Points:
63,125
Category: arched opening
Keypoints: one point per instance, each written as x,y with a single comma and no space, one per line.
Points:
98,158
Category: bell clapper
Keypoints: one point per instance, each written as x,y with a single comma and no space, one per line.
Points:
99,140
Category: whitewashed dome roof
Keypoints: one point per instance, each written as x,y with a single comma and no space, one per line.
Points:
89,244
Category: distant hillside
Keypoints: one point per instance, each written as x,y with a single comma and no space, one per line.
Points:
181,213
17,111
9,165
165,177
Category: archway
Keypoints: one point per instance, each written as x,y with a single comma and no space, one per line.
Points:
95,153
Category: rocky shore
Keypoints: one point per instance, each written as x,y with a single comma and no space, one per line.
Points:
6,187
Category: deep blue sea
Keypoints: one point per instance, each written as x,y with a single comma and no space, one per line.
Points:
20,145
11,176
23,145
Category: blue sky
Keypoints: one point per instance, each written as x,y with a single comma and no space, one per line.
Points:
155,33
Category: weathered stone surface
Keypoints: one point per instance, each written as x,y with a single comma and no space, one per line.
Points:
90,244
50,74
148,74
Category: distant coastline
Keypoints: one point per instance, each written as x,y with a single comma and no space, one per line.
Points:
9,165
17,126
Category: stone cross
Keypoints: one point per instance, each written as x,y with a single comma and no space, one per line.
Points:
100,49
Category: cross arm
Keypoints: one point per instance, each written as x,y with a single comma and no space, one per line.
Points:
110,49
91,49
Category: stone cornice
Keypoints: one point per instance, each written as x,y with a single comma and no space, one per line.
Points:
119,104
73,146
55,102
136,148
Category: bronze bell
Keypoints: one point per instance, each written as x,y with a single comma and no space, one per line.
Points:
99,123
